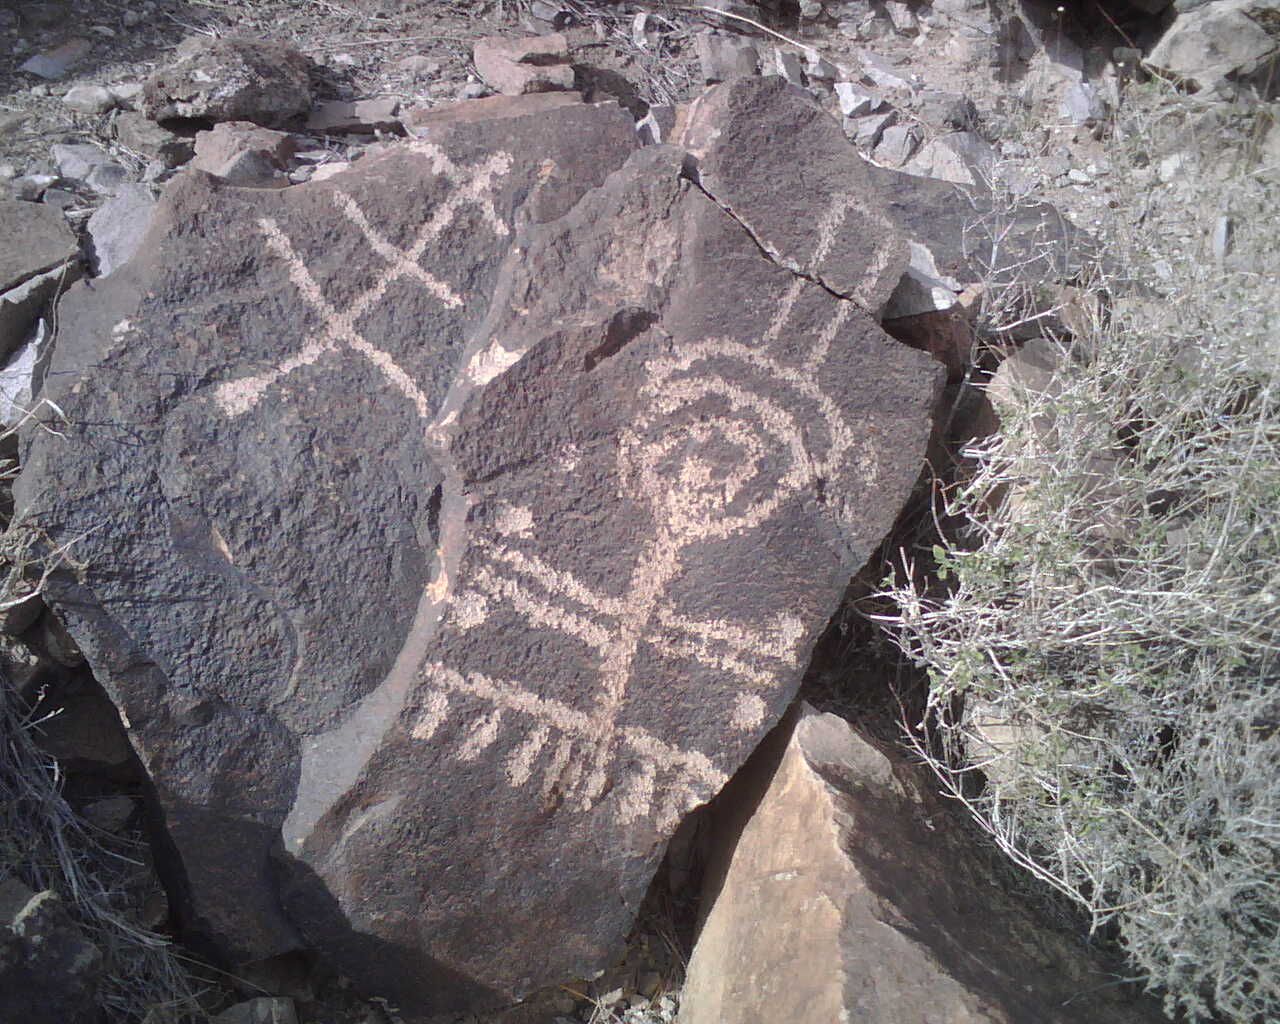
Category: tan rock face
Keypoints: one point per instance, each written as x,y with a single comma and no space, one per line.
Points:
847,899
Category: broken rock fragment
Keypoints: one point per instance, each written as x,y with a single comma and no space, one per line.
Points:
342,117
875,909
38,253
725,55
231,79
244,154
517,66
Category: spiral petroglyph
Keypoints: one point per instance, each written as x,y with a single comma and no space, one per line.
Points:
717,449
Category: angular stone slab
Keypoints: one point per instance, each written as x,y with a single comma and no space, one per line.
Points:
230,79
877,909
431,623
245,468
35,238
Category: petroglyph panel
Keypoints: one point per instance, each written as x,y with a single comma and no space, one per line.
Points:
472,515
246,465
660,478
725,434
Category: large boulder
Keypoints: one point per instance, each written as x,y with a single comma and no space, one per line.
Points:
262,465
450,528
878,909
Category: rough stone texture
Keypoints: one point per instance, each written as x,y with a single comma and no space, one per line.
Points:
897,143
923,288
231,79
77,159
354,117
962,157
35,239
54,64
207,422
1227,39
49,971
866,130
763,149
890,919
22,306
118,226
947,110
244,154
497,553
107,179
22,375
857,101
725,55
88,99
517,66
136,132
422,121
960,226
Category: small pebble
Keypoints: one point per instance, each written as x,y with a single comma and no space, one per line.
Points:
1079,177
40,89
473,91
131,19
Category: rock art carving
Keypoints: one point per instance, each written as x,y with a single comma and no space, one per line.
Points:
504,486
688,502
472,185
248,402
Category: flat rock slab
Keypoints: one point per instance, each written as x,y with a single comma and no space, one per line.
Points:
529,65
876,910
355,116
472,514
117,228
54,64
36,238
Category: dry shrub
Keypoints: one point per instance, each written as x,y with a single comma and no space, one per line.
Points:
1102,630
